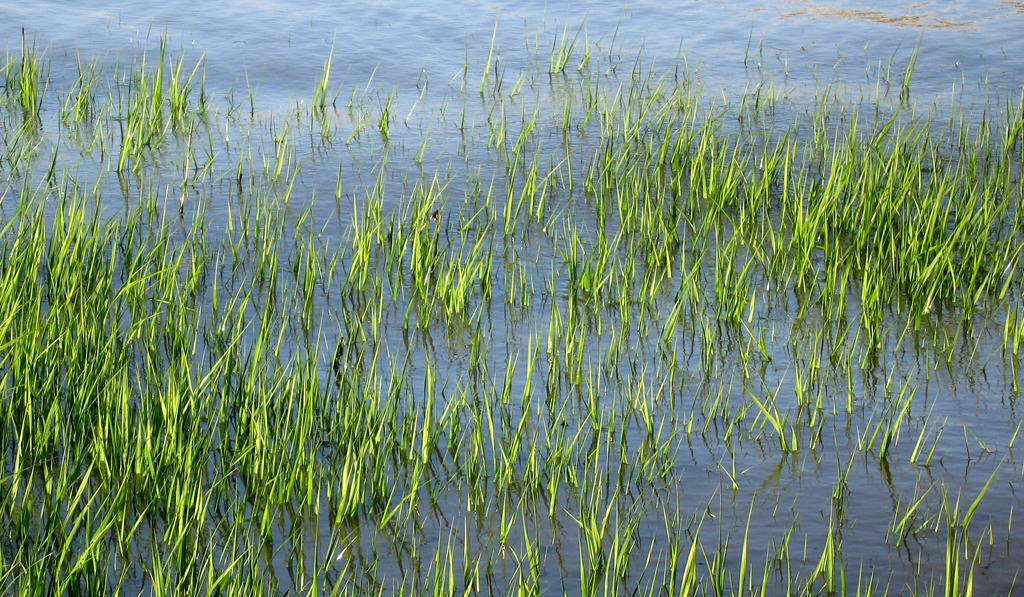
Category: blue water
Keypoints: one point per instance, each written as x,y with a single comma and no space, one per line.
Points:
968,53
281,46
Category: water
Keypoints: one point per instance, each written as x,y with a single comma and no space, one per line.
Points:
262,60
281,46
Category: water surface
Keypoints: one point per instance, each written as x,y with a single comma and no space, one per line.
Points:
260,62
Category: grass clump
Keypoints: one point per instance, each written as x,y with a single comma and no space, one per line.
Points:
621,340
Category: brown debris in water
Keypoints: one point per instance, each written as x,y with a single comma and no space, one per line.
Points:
1017,5
928,20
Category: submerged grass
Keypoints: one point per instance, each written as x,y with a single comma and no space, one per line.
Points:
578,359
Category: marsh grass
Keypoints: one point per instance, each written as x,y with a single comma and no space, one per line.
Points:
25,81
81,103
587,355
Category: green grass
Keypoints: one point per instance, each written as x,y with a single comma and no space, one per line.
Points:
26,81
593,334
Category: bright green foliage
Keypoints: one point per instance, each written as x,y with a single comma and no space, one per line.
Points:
617,328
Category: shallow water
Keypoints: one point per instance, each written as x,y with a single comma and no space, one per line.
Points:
280,46
261,62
